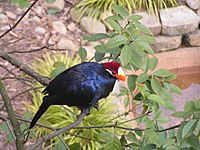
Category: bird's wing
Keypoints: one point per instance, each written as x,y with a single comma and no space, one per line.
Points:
67,78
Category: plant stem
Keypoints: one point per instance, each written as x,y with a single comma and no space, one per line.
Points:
12,116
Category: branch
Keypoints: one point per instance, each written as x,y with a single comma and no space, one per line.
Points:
20,19
42,79
12,116
47,137
170,128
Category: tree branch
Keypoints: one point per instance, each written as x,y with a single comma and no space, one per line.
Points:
12,116
20,19
42,79
47,137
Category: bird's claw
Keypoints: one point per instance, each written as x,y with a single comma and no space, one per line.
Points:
85,111
96,106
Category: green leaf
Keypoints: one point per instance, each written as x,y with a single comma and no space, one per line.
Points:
10,138
56,72
14,2
116,41
162,73
163,119
149,147
126,101
142,78
27,115
146,39
174,88
131,82
119,10
156,86
51,1
152,137
138,132
104,49
24,4
4,127
178,114
143,28
169,105
98,56
113,143
189,106
193,141
126,55
133,33
115,25
197,104
171,133
131,137
179,133
171,77
52,11
133,145
147,47
134,18
97,37
82,53
171,148
189,128
123,91
156,98
75,146
115,17
58,64
153,63
123,140
86,37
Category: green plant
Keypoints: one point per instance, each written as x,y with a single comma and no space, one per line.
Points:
21,3
148,88
95,8
61,116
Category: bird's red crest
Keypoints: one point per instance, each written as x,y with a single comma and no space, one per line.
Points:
112,66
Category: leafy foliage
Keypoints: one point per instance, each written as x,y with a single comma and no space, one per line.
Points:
96,8
21,3
61,116
148,88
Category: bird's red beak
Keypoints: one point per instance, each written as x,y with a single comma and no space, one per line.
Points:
120,74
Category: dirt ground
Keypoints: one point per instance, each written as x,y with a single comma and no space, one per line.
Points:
33,32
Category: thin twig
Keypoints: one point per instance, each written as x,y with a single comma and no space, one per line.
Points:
7,70
42,79
32,50
20,19
10,129
135,118
47,137
63,142
170,128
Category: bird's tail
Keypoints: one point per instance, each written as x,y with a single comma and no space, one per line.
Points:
43,107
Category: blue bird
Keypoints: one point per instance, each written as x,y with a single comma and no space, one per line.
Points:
82,85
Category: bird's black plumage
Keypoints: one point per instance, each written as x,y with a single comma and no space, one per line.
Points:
81,85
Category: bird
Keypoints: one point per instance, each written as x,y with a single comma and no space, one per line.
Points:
82,85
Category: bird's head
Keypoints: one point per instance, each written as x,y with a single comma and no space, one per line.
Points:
115,70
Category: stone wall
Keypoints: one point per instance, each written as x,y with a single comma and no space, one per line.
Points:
173,28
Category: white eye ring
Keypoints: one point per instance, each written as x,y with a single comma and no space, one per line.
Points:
109,71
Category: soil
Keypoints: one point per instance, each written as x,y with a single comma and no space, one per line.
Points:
25,38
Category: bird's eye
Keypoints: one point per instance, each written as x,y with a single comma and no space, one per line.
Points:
114,72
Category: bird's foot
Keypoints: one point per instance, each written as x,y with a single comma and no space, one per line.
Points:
96,106
85,110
